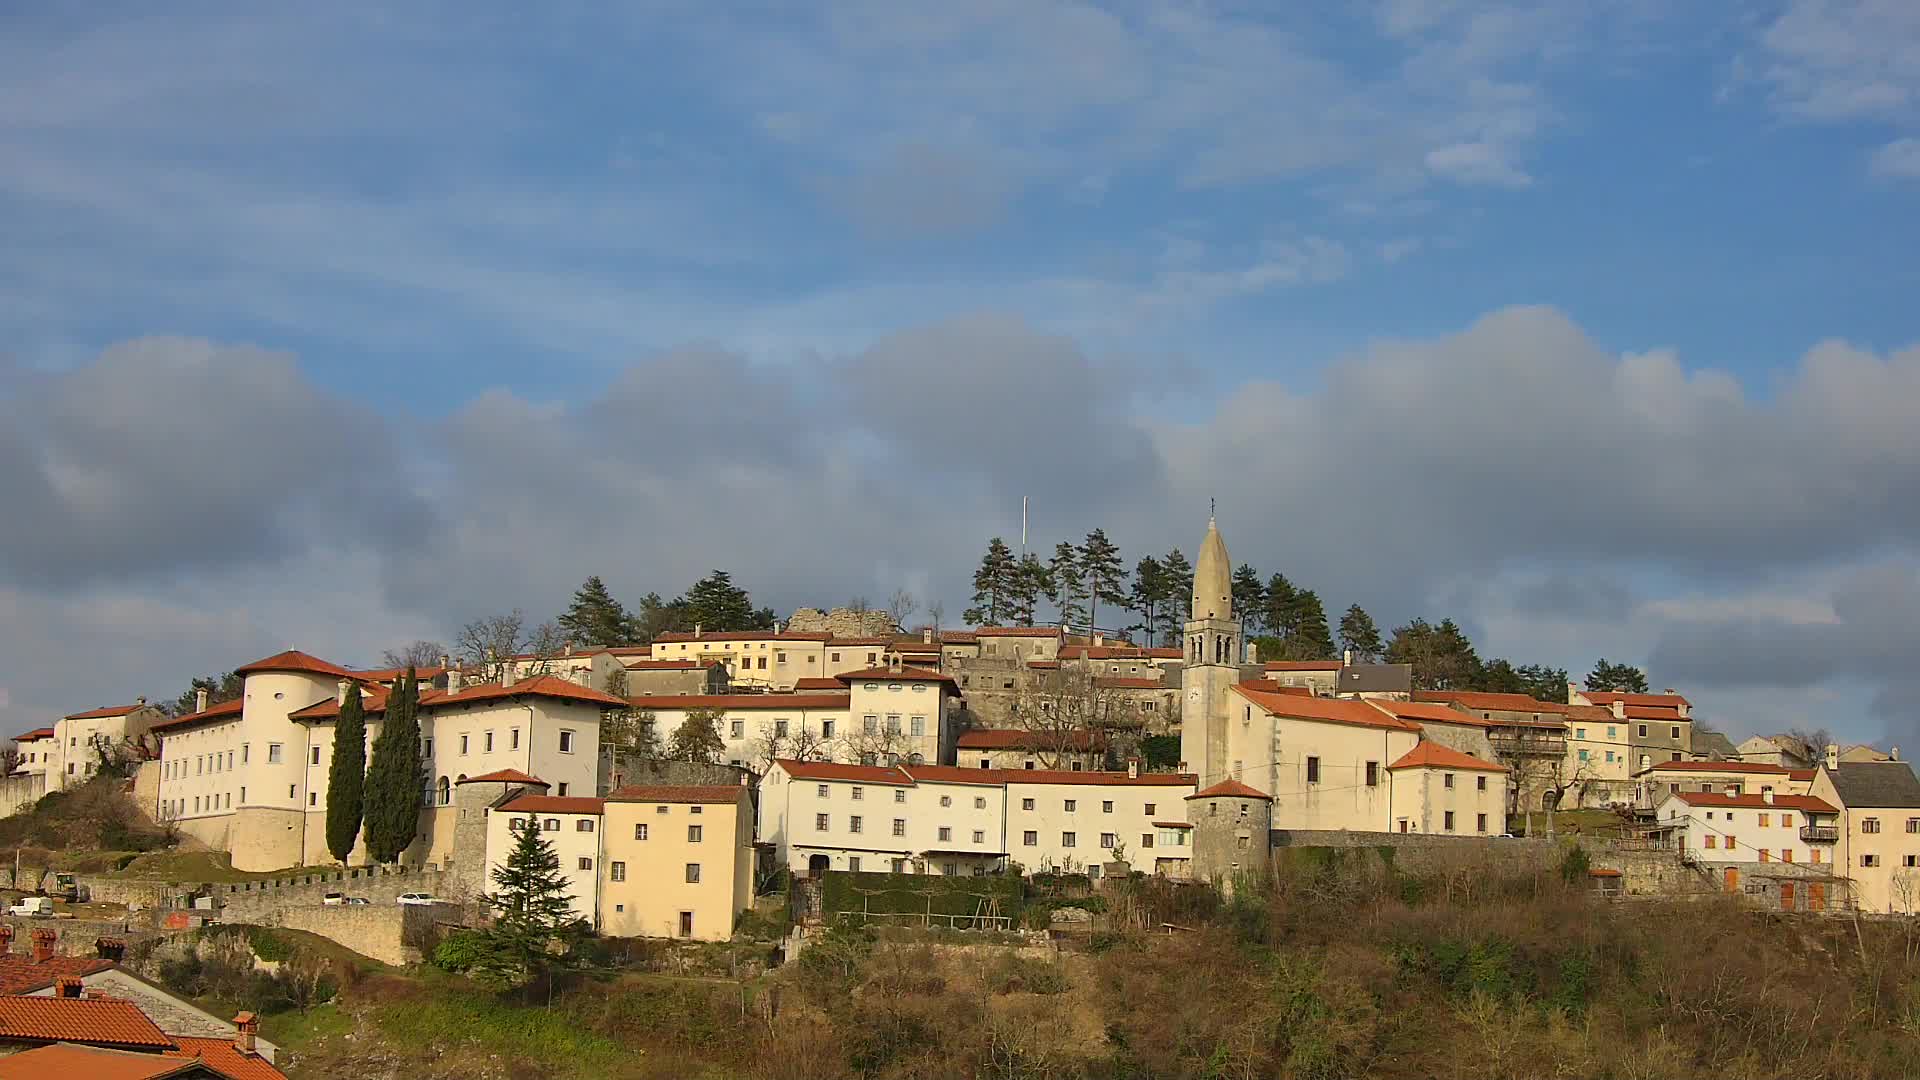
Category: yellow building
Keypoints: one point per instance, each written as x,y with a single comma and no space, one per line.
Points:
677,861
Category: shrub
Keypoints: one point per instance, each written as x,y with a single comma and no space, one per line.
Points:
461,950
1574,865
1023,975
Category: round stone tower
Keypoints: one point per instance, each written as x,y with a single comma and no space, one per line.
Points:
1232,824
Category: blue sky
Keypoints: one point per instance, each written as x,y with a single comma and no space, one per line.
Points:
1121,258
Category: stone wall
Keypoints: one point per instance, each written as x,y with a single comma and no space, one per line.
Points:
387,932
18,793
256,901
1419,852
841,622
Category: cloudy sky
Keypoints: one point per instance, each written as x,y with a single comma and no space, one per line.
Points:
1590,325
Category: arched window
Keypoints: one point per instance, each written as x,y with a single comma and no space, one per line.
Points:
446,792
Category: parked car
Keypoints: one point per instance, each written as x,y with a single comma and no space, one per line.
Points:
357,901
334,899
33,907
410,899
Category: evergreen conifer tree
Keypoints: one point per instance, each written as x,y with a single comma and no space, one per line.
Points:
1149,595
1102,574
993,586
595,618
394,779
1310,639
1030,583
1179,589
1623,678
1064,583
715,603
1357,632
532,907
1249,598
1281,611
347,776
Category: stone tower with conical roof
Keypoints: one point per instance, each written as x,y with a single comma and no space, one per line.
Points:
1213,652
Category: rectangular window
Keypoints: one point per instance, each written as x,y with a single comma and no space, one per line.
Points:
314,757
1580,733
1373,774
946,835
566,742
893,723
1146,839
859,794
1480,783
899,826
486,742
1869,861
853,823
313,798
853,863
1813,855
1108,840
820,823
826,729
1072,805
737,729
1643,731
1480,823
1765,820
463,745
694,833
1149,810
979,836
1106,806
243,795
1765,855
586,863
1786,854
1066,839
640,831
273,753
583,825
1676,732
426,747
780,729
1712,842
979,802
617,871
1026,804
946,800
563,789
1913,824
244,747
1313,770
1446,780
899,796
917,726
1449,821
513,738
1870,825
870,724
693,878
822,791
552,824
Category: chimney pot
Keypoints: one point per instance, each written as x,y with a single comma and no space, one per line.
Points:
246,1026
1833,756
1893,754
141,700
1346,658
43,946
6,938
696,629
1767,794
200,700
340,692
67,986
1133,768
453,681
926,636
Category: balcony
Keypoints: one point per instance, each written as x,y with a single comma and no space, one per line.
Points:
1820,834
1532,743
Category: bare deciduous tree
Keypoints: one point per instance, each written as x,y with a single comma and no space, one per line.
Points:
414,654
901,606
798,742
881,743
492,638
1067,712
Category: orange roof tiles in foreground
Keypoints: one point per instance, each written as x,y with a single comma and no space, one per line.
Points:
68,1061
20,973
35,735
96,1021
1230,789
1432,755
225,1058
1330,710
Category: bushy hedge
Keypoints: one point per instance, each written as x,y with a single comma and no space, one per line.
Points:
915,894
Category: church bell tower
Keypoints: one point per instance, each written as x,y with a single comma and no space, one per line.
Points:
1213,652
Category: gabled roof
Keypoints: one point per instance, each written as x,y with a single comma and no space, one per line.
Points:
21,974
1268,686
1719,767
71,1061
1301,665
375,698
1755,801
1432,755
226,710
679,637
907,673
505,776
1876,784
226,1058
95,1021
678,793
554,804
1017,739
1230,789
107,712
1017,631
1427,712
820,682
742,702
1490,702
1327,710
1608,697
833,770
295,661
1651,712
35,734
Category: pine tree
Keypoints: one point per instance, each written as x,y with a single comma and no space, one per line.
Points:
595,618
1310,639
655,616
394,781
1441,656
993,586
1249,597
1280,613
1620,678
1179,588
698,737
532,908
347,776
715,603
1030,583
1102,573
1064,583
1358,633
1543,683
1148,595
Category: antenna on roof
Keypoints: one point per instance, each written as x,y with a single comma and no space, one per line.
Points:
1023,526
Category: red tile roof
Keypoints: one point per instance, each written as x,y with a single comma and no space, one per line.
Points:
907,673
1801,774
1593,714
225,1058
1608,697
1122,683
1487,702
1755,801
95,1021
1016,631
106,712
506,776
741,702
546,686
903,776
1648,712
20,974
743,635
555,804
1044,665
1330,710
666,665
833,770
1719,766
36,733
1230,789
1017,739
394,674
1102,779
1427,712
1432,755
678,793
296,661
954,774
226,710
820,682
69,1061
1301,665
1268,686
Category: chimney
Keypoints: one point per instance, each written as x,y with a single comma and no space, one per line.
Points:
110,948
68,986
1833,757
893,662
1671,692
926,636
200,700
6,938
568,651
1099,638
340,692
776,628
1133,768
696,629
1573,691
1893,754
1346,658
248,1025
141,700
43,945
453,681
1253,652
1767,795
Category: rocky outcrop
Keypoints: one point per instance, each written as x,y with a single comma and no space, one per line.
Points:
842,622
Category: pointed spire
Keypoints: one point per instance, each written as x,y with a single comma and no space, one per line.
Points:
1213,577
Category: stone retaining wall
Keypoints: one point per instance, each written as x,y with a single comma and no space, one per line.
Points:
255,901
387,932
1419,852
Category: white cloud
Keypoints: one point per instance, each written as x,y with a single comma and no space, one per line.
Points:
1476,163
1899,159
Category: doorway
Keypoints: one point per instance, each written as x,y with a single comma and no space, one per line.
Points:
1786,896
817,865
1732,880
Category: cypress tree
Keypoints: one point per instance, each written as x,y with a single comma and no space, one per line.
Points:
347,777
393,782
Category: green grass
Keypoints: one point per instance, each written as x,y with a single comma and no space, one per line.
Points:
195,866
454,1017
295,1031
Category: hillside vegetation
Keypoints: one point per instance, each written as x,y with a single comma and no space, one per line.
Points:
1344,968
